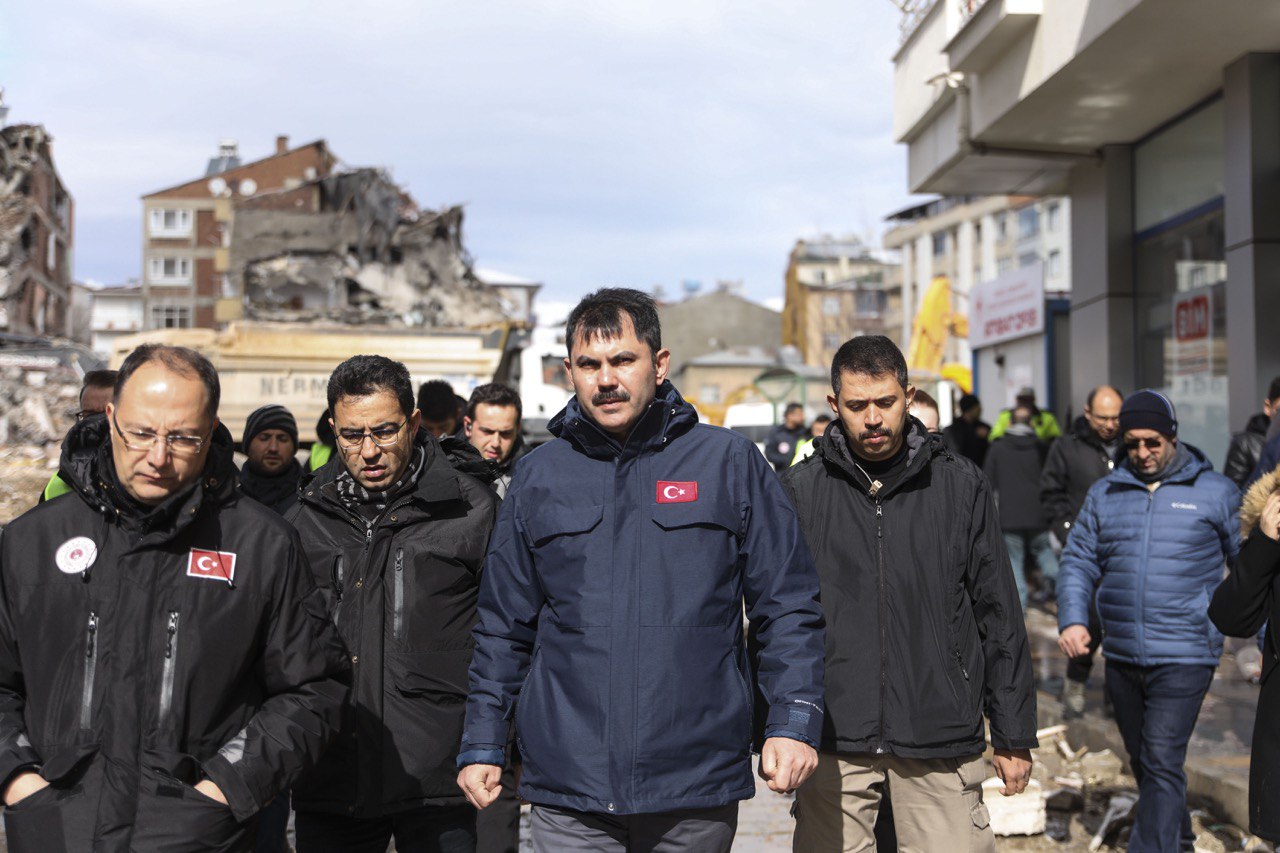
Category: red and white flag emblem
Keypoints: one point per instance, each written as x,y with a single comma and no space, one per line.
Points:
677,493
216,565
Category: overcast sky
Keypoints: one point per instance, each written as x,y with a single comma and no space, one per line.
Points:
592,142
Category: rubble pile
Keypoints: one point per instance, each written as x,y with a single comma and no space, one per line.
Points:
36,407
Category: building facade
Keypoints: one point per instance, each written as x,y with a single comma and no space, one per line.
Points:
36,235
716,321
115,312
1160,119
1001,256
837,288
186,231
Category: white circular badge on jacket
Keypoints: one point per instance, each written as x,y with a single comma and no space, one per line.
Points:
76,554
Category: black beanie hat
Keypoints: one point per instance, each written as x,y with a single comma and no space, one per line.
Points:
1147,409
269,417
969,401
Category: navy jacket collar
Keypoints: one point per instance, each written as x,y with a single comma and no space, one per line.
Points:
667,417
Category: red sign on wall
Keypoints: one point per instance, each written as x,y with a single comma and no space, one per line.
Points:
1193,318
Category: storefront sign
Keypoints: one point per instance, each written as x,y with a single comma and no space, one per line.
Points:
1192,344
1008,307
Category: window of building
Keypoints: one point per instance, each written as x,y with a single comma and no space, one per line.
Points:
1002,227
832,340
170,222
1026,259
169,270
553,372
51,254
1054,266
1053,217
710,393
831,305
870,303
939,243
170,317
1004,265
1028,222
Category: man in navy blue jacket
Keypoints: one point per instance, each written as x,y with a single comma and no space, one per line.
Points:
611,609
1150,542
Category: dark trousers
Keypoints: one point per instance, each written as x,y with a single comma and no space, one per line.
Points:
691,831
273,826
498,824
1156,709
1078,668
431,829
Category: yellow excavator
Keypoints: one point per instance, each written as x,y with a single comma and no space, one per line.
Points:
934,323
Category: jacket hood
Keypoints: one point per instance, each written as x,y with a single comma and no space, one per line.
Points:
1196,464
86,448
667,417
1255,499
922,446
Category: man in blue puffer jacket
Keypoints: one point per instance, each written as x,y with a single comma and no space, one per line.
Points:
1151,542
611,612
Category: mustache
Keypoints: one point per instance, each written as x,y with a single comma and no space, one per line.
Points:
875,433
607,397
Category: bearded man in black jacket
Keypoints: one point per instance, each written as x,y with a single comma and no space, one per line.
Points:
270,475
167,666
924,631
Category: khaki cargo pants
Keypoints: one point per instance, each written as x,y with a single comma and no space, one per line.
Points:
937,804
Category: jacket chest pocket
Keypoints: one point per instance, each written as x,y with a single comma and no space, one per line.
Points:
689,566
573,557
430,598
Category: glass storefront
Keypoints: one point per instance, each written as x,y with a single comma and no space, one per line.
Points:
1180,276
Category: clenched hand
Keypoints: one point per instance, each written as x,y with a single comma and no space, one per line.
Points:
785,763
481,783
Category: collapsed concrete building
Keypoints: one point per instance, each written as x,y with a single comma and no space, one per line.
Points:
354,247
35,234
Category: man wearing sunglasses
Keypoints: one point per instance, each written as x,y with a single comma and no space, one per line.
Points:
167,666
396,534
1150,543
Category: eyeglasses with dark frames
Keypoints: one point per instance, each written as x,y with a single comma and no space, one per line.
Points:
144,440
383,436
1132,444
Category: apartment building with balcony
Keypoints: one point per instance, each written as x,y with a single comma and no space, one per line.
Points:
1160,121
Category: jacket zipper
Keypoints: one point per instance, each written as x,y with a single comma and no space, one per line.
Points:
880,747
170,663
337,579
90,669
397,616
1140,624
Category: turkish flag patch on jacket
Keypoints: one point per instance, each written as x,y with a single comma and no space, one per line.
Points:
677,493
217,565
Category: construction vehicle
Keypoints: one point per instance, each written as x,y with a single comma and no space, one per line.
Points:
934,325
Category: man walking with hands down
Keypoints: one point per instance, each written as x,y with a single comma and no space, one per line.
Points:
924,631
611,612
1150,544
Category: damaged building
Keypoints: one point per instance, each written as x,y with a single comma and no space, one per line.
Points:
35,234
294,237
353,247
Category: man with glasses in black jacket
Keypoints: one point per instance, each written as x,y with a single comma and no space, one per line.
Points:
395,535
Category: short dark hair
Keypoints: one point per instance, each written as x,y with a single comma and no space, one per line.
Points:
823,418
181,360
791,407
362,375
968,403
1088,401
494,394
99,379
437,400
599,315
925,400
1274,391
869,355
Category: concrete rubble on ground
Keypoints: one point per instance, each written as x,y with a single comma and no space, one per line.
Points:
355,248
36,410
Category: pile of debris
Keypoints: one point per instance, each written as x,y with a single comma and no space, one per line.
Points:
37,407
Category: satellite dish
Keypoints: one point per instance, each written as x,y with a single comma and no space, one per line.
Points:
217,186
248,186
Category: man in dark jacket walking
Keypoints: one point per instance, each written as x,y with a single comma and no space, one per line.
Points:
1076,461
270,474
1013,468
1150,545
1246,446
611,612
395,537
924,631
492,425
166,664
780,446
969,435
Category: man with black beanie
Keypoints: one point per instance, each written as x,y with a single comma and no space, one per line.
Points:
271,473
1149,544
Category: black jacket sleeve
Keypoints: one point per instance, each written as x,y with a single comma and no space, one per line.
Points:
1009,683
778,458
1241,457
307,677
16,751
1055,498
1242,602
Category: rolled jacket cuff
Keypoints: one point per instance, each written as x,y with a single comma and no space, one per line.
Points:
802,718
792,735
483,753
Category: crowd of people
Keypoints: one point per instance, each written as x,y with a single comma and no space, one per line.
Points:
403,633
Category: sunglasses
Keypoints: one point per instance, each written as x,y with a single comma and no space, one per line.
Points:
1133,444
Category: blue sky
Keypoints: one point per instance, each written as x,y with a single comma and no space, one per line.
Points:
592,143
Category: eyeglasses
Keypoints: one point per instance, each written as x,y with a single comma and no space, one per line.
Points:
1133,444
178,445
1106,419
383,436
